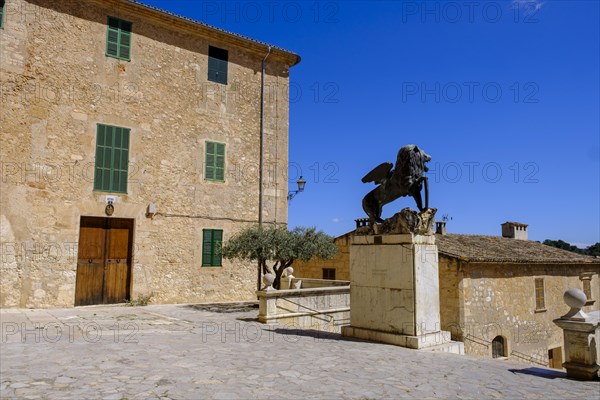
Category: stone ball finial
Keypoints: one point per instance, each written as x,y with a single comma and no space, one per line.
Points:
268,280
575,298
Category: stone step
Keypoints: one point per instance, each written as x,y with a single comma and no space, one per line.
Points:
451,347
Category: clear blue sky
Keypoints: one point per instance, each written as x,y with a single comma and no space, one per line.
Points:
504,95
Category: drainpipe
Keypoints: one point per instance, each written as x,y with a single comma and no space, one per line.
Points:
262,150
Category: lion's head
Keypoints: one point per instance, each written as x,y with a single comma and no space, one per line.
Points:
410,165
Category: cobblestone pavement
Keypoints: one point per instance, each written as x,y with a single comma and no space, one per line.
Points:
187,352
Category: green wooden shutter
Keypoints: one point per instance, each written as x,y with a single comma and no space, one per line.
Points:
112,37
103,158
125,40
120,160
112,159
217,64
206,247
212,240
217,245
210,161
215,162
118,38
220,162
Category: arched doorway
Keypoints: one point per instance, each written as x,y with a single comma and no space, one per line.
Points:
498,347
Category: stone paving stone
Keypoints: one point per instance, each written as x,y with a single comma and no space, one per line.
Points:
179,352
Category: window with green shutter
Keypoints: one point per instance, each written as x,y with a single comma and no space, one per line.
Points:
215,162
2,14
118,39
112,159
212,240
217,64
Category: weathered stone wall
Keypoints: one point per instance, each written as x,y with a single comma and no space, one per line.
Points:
500,300
58,84
451,305
341,263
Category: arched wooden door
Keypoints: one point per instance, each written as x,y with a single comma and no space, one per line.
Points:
498,347
104,259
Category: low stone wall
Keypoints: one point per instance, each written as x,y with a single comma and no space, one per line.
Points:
320,308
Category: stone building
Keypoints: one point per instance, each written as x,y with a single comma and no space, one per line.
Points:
499,294
336,268
130,144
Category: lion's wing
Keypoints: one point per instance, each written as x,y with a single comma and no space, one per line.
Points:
379,173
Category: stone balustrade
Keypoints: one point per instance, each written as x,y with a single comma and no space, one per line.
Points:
319,304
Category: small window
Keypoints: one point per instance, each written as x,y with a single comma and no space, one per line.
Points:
329,273
212,240
118,39
2,2
587,288
217,65
540,301
112,159
586,282
215,162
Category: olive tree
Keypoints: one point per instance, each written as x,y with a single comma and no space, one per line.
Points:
275,247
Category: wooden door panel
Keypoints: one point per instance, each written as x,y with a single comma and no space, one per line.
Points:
103,261
115,275
118,256
118,244
89,283
90,265
91,243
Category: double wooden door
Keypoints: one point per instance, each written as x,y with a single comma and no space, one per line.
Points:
104,261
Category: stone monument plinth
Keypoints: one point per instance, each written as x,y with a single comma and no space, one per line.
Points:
394,290
581,336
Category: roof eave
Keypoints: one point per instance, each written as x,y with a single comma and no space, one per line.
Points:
522,261
289,57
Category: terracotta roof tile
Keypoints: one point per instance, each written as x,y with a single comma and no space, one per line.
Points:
479,248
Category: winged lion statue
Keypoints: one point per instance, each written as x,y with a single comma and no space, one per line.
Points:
407,179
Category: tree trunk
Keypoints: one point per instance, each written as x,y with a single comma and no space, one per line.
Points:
277,282
279,272
258,280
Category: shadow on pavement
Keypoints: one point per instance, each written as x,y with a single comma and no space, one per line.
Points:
225,307
314,334
541,372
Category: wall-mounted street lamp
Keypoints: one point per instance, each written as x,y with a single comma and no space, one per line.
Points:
292,193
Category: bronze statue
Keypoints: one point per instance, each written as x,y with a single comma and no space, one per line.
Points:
406,179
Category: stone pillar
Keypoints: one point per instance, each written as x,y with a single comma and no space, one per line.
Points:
581,338
394,290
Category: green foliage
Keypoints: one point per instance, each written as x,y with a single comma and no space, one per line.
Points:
279,246
142,300
593,250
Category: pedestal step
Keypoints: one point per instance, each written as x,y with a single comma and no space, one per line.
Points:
428,340
452,347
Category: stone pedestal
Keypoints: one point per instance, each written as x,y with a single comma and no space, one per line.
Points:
394,290
581,337
581,351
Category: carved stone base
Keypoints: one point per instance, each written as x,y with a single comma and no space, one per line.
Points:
582,371
406,221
